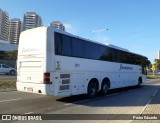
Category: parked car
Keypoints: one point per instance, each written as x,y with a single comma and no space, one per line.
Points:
7,69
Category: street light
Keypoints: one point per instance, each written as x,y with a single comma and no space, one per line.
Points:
99,30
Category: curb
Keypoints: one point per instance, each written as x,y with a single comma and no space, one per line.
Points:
7,90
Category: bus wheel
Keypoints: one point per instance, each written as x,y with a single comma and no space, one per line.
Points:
92,89
104,88
139,82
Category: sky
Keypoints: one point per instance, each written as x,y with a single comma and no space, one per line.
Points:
131,24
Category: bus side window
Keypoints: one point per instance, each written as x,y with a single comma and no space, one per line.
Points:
58,44
114,55
77,48
66,45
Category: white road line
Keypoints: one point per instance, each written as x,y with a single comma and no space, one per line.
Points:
10,100
145,106
155,92
149,101
29,113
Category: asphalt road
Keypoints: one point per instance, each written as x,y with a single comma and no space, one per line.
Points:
120,101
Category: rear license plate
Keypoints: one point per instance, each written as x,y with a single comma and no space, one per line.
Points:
30,89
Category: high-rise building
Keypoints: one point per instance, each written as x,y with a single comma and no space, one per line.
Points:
31,20
158,55
58,25
14,30
4,24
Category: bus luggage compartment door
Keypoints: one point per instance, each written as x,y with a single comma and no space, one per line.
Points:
78,83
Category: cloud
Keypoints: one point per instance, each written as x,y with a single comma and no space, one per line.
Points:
70,28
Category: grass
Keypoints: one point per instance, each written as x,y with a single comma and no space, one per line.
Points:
12,84
156,76
7,84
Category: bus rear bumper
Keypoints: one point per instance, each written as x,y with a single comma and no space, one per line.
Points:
34,88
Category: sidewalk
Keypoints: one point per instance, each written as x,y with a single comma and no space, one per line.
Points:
153,107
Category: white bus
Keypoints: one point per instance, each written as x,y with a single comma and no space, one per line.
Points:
57,63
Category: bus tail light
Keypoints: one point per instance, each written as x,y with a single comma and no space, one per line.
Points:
46,78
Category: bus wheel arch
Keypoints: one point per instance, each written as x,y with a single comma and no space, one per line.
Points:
92,88
139,81
105,85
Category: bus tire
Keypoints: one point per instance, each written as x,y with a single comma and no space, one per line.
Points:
105,87
139,82
92,89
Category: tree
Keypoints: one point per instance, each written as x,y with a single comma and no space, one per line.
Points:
157,63
11,54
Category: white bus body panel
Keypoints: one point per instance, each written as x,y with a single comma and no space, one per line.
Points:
81,71
68,75
34,59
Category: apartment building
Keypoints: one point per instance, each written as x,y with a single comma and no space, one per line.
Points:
58,25
31,20
14,30
4,25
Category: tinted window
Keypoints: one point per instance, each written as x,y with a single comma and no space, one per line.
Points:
114,55
118,56
94,51
130,58
138,60
58,44
125,57
77,47
66,45
107,55
90,50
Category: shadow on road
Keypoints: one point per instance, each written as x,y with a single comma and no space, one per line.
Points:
128,96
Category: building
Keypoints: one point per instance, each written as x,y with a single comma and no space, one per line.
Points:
14,30
31,20
158,56
4,24
58,25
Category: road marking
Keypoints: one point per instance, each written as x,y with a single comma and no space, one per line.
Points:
155,93
10,100
145,106
29,113
149,101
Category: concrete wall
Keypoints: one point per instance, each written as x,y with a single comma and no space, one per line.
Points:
6,46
